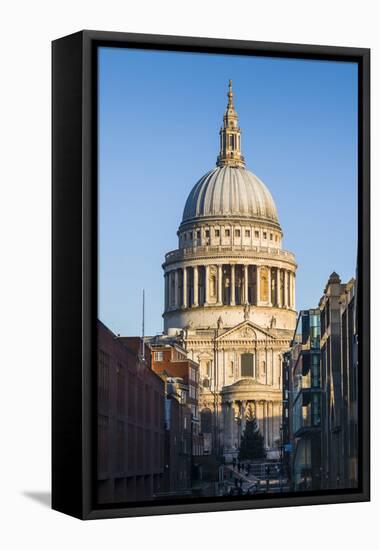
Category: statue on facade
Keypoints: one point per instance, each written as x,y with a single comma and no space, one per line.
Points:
273,322
246,312
220,323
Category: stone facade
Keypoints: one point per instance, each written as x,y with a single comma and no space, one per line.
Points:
339,366
230,295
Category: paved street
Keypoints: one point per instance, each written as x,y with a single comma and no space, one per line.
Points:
253,479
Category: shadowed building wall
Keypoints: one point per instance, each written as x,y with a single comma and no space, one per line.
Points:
130,423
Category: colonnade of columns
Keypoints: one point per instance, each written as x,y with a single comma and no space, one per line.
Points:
267,414
229,284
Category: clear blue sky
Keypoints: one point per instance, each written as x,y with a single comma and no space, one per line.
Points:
159,118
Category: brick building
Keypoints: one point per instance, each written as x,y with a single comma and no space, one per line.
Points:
130,422
178,442
170,361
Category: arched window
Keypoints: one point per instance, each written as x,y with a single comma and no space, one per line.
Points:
247,365
206,421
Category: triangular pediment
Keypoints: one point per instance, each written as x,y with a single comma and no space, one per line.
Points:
246,331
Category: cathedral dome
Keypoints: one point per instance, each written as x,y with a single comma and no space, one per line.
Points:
233,192
230,190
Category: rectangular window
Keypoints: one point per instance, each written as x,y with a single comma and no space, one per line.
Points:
271,236
121,389
147,404
191,235
120,446
227,232
237,233
256,234
103,378
316,410
207,233
247,365
131,396
158,355
264,235
217,232
315,370
247,233
102,441
198,234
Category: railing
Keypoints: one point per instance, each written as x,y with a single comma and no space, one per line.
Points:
187,253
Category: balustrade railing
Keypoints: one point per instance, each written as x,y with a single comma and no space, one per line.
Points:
193,252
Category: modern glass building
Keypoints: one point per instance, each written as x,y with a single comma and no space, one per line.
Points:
303,403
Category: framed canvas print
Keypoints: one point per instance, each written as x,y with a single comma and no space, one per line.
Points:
210,275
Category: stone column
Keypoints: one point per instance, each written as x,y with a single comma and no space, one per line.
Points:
232,424
278,294
170,297
270,438
258,284
269,286
176,288
166,289
285,288
230,438
195,286
246,283
232,285
243,417
276,420
293,291
185,293
259,416
206,286
290,289
265,422
219,285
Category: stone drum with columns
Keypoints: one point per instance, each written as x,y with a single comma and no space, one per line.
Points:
230,295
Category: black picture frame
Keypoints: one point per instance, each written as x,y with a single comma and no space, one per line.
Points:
74,269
